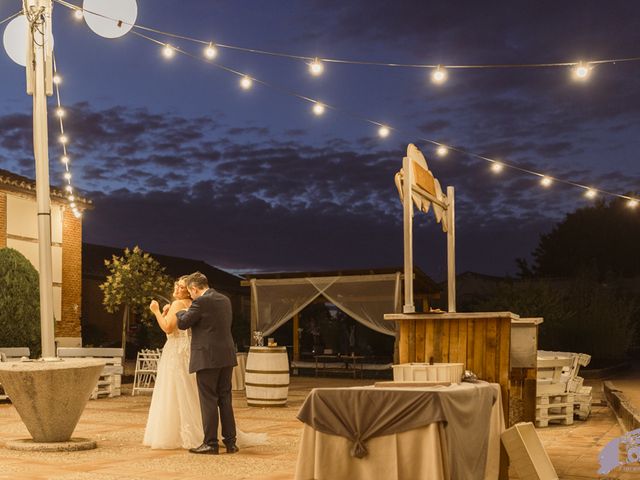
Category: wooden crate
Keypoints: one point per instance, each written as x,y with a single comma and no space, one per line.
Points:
526,453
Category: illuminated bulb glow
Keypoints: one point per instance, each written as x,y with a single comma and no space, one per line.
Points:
318,108
316,67
590,193
246,82
72,205
442,151
57,79
633,203
63,139
384,132
78,15
210,51
77,214
59,112
65,159
546,181
67,176
582,71
72,198
69,188
168,51
497,167
439,75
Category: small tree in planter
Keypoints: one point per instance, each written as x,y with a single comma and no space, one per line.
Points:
134,280
19,302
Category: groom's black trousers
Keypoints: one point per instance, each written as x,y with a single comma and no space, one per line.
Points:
214,390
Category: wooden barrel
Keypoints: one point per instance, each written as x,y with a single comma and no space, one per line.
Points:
267,377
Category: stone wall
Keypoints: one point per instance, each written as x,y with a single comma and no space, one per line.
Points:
69,326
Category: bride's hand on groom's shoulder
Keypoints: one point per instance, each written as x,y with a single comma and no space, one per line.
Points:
165,309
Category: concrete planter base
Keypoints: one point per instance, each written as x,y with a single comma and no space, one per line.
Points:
50,396
73,445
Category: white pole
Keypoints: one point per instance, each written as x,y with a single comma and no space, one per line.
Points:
407,206
39,15
451,250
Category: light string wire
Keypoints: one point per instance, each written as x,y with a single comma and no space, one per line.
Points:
499,163
310,58
11,17
60,112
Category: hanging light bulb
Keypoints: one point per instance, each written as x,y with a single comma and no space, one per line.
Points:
57,79
63,139
59,112
546,181
246,83
318,108
168,51
72,205
210,51
72,198
316,67
69,188
590,193
65,159
77,214
632,203
384,131
78,15
582,71
67,176
442,151
439,75
497,167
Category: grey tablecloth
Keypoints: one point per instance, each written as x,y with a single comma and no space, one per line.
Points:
362,413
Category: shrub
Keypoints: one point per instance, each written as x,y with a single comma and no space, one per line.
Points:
19,302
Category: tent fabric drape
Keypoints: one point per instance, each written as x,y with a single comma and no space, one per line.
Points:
366,299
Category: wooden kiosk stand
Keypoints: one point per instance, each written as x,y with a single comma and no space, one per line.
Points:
483,341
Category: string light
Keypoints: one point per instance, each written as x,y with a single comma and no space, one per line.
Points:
546,181
246,82
316,67
59,112
318,108
383,131
57,79
442,151
67,176
64,159
210,51
168,51
633,203
582,71
63,139
77,14
439,75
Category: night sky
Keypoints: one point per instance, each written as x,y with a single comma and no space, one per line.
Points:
181,161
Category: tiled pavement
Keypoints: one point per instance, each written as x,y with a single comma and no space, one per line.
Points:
118,424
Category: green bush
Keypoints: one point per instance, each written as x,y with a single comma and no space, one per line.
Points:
19,302
580,315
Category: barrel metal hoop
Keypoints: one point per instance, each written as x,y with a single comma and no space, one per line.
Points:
267,385
267,399
278,372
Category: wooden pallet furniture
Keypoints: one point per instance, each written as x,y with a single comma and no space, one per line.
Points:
12,354
110,380
479,340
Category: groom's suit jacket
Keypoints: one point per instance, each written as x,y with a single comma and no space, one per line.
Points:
209,319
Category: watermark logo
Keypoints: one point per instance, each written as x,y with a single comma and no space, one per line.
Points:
622,453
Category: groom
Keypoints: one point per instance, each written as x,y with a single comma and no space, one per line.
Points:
213,357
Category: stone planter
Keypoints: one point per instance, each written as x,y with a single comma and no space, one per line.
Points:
50,396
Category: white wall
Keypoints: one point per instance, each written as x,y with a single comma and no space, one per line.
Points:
22,222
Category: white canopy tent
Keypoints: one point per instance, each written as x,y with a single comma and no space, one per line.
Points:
363,295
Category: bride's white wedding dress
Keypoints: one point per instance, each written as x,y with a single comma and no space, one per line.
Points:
174,418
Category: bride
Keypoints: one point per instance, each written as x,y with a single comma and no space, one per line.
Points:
174,415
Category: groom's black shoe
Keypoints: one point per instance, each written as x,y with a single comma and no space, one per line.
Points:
232,448
205,449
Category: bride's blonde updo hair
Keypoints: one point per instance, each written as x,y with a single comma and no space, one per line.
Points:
184,292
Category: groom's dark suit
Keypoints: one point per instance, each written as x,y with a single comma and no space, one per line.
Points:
213,357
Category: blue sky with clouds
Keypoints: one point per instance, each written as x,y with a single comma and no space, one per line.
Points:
180,160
